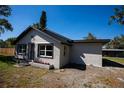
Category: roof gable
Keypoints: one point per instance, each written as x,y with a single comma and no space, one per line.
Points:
22,34
61,38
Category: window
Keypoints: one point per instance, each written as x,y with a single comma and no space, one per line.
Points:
45,50
21,48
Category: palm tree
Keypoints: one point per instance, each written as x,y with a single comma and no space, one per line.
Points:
5,11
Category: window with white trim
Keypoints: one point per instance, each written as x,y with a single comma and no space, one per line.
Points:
45,50
21,48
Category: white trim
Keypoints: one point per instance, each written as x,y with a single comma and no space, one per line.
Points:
42,42
45,50
45,56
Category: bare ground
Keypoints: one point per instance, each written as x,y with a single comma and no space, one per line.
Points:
69,78
91,77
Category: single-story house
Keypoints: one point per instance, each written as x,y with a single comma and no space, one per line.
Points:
113,52
48,47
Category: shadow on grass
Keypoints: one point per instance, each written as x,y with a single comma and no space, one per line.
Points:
7,59
109,63
75,66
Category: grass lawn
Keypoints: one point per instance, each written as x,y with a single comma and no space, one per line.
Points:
115,59
11,76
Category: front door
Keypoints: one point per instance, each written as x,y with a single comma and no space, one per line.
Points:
31,51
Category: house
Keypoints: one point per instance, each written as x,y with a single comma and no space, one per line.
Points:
113,52
49,48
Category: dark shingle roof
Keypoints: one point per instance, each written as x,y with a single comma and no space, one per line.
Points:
92,41
22,34
59,37
62,39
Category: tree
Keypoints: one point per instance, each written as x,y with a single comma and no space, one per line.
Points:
116,43
36,25
41,25
4,23
1,43
90,37
43,20
9,42
118,16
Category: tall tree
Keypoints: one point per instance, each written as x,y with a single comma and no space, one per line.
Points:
90,36
43,20
118,16
41,25
5,11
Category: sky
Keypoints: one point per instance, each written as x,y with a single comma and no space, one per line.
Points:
74,22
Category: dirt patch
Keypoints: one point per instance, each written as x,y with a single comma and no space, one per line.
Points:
91,77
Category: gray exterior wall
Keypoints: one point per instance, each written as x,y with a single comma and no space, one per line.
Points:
80,53
86,53
39,38
64,59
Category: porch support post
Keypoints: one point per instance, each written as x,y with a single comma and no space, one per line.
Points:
35,51
27,52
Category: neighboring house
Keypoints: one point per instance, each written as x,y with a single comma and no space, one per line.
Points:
113,52
51,48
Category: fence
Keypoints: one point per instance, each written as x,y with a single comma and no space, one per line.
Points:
7,51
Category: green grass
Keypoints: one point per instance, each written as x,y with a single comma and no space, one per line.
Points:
11,76
115,59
